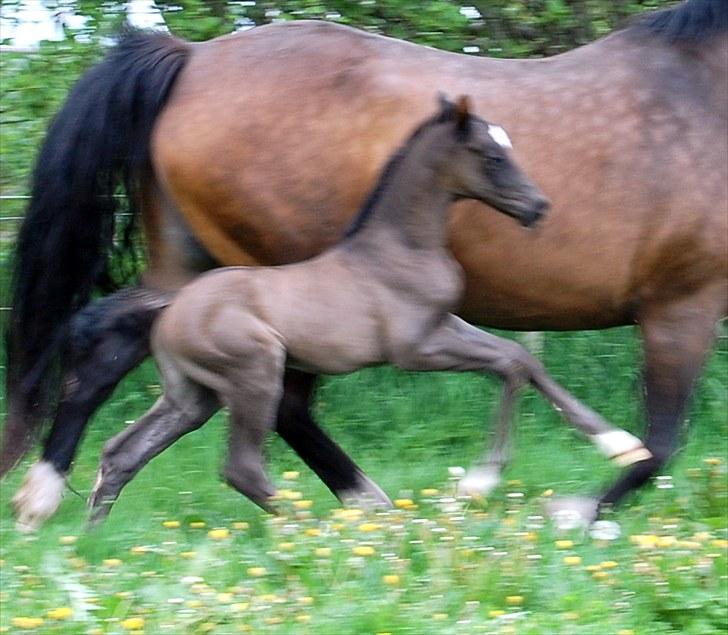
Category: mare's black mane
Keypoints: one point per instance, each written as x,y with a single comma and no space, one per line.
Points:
690,21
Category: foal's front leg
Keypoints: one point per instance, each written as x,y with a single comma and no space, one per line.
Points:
456,345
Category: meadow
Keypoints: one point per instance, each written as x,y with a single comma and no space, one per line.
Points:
183,553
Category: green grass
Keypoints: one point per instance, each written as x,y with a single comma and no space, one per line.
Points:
490,567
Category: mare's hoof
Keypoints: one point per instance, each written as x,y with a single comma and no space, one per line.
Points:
38,497
572,512
366,495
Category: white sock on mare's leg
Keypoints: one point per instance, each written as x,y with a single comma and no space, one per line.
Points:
39,496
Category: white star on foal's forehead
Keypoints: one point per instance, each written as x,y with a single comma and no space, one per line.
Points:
500,136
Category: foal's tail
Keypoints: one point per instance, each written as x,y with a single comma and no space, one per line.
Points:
97,146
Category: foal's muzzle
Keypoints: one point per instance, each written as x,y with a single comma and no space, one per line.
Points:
533,214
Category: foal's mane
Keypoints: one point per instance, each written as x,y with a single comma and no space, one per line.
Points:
690,21
385,176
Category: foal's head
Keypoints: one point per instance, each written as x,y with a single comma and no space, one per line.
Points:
479,165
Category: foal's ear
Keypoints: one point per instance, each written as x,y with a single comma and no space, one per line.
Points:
462,116
446,106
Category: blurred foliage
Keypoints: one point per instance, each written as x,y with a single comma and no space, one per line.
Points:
34,85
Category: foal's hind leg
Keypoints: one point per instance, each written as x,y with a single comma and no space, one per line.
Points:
254,389
184,407
107,339
456,345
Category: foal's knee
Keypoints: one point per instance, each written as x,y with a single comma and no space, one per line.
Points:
517,366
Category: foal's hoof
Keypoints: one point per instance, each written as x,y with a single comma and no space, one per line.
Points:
572,512
621,447
479,482
38,497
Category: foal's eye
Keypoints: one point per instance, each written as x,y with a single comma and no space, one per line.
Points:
495,160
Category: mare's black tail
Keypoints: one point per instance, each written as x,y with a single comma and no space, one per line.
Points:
96,145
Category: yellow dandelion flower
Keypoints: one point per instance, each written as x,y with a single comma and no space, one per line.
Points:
430,491
303,618
303,504
289,494
391,579
591,568
67,540
286,546
171,524
404,503
644,540
689,544
112,563
368,527
609,564
241,525
312,531
666,541
198,524
571,615
207,627
221,533
600,575
138,549
530,536
496,612
547,493
514,600
323,552
564,544
625,631
239,607
187,555
363,550
256,572
306,600
27,623
133,623
349,513
720,543
713,460
572,560
291,475
439,617
224,598
61,613
194,604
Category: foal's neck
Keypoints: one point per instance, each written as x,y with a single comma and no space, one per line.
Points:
410,206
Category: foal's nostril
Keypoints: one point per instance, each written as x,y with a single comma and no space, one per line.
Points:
541,207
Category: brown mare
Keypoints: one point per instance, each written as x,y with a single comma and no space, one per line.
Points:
229,335
257,148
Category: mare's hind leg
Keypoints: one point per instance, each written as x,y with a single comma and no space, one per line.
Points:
677,339
107,339
184,407
297,428
456,345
